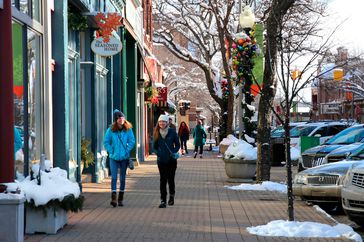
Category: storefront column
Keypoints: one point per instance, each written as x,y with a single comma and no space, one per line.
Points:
6,96
124,75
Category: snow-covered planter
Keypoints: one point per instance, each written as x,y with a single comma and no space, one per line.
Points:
224,144
12,212
240,160
240,169
49,197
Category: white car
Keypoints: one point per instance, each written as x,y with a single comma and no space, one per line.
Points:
322,130
352,193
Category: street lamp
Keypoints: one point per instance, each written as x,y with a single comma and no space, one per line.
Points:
244,49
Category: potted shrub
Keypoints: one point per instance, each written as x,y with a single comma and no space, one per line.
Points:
49,195
240,160
87,156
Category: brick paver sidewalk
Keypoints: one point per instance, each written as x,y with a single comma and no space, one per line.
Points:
204,209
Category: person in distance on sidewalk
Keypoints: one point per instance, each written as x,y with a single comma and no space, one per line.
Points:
119,141
199,136
184,135
165,144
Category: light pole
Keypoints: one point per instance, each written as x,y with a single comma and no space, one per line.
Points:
244,49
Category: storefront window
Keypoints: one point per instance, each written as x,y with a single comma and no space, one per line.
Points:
18,92
29,7
34,96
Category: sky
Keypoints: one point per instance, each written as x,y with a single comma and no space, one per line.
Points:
350,34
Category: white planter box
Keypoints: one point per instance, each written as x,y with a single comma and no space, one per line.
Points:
48,222
241,169
12,222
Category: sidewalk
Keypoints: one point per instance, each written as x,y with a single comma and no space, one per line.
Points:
204,209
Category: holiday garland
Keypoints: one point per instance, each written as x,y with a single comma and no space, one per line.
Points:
244,49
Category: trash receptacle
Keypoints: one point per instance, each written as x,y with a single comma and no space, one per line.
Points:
309,142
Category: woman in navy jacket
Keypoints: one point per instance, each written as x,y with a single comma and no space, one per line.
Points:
166,143
119,141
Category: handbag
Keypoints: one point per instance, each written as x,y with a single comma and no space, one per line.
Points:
172,155
130,161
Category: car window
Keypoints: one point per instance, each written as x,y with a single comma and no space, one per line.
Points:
321,131
335,129
348,136
301,131
277,132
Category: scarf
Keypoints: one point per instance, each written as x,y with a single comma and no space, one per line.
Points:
163,132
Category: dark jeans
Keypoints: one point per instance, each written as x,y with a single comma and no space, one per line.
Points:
167,173
201,149
184,145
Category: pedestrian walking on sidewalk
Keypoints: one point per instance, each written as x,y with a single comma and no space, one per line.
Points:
199,135
166,145
119,141
184,135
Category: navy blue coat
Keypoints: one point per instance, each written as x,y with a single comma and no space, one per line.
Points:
160,147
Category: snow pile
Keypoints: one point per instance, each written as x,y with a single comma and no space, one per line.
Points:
305,230
229,140
12,192
54,185
240,149
265,186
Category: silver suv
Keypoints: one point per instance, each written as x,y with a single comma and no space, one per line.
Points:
352,194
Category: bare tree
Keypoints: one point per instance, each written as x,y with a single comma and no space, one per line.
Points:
196,31
297,42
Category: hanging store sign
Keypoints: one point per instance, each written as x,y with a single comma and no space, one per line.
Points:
100,47
162,93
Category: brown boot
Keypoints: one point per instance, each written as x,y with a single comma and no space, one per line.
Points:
120,199
113,199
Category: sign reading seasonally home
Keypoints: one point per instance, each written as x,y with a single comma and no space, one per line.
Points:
110,48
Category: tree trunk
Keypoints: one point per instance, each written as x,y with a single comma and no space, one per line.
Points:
278,9
226,105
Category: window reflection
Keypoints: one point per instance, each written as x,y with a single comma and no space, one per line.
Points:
23,4
18,94
34,77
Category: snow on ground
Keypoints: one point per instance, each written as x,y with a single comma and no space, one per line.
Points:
304,229
265,186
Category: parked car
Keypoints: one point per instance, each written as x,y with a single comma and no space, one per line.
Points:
277,141
338,147
322,130
352,194
322,184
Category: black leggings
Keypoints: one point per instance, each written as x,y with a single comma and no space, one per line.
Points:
167,173
201,148
184,144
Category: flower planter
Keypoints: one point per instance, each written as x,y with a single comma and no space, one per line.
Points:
12,224
48,221
240,169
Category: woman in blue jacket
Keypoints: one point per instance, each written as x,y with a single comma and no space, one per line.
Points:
119,141
166,144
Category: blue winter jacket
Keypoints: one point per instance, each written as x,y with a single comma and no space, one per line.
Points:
160,146
113,145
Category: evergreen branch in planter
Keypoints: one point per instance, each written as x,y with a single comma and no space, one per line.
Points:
69,203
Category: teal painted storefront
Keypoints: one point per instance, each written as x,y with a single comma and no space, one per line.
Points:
86,89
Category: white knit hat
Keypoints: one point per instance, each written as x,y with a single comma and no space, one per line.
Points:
164,118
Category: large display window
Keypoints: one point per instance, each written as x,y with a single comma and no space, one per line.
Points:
27,81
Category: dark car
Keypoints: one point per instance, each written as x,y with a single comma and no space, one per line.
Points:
339,147
277,139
